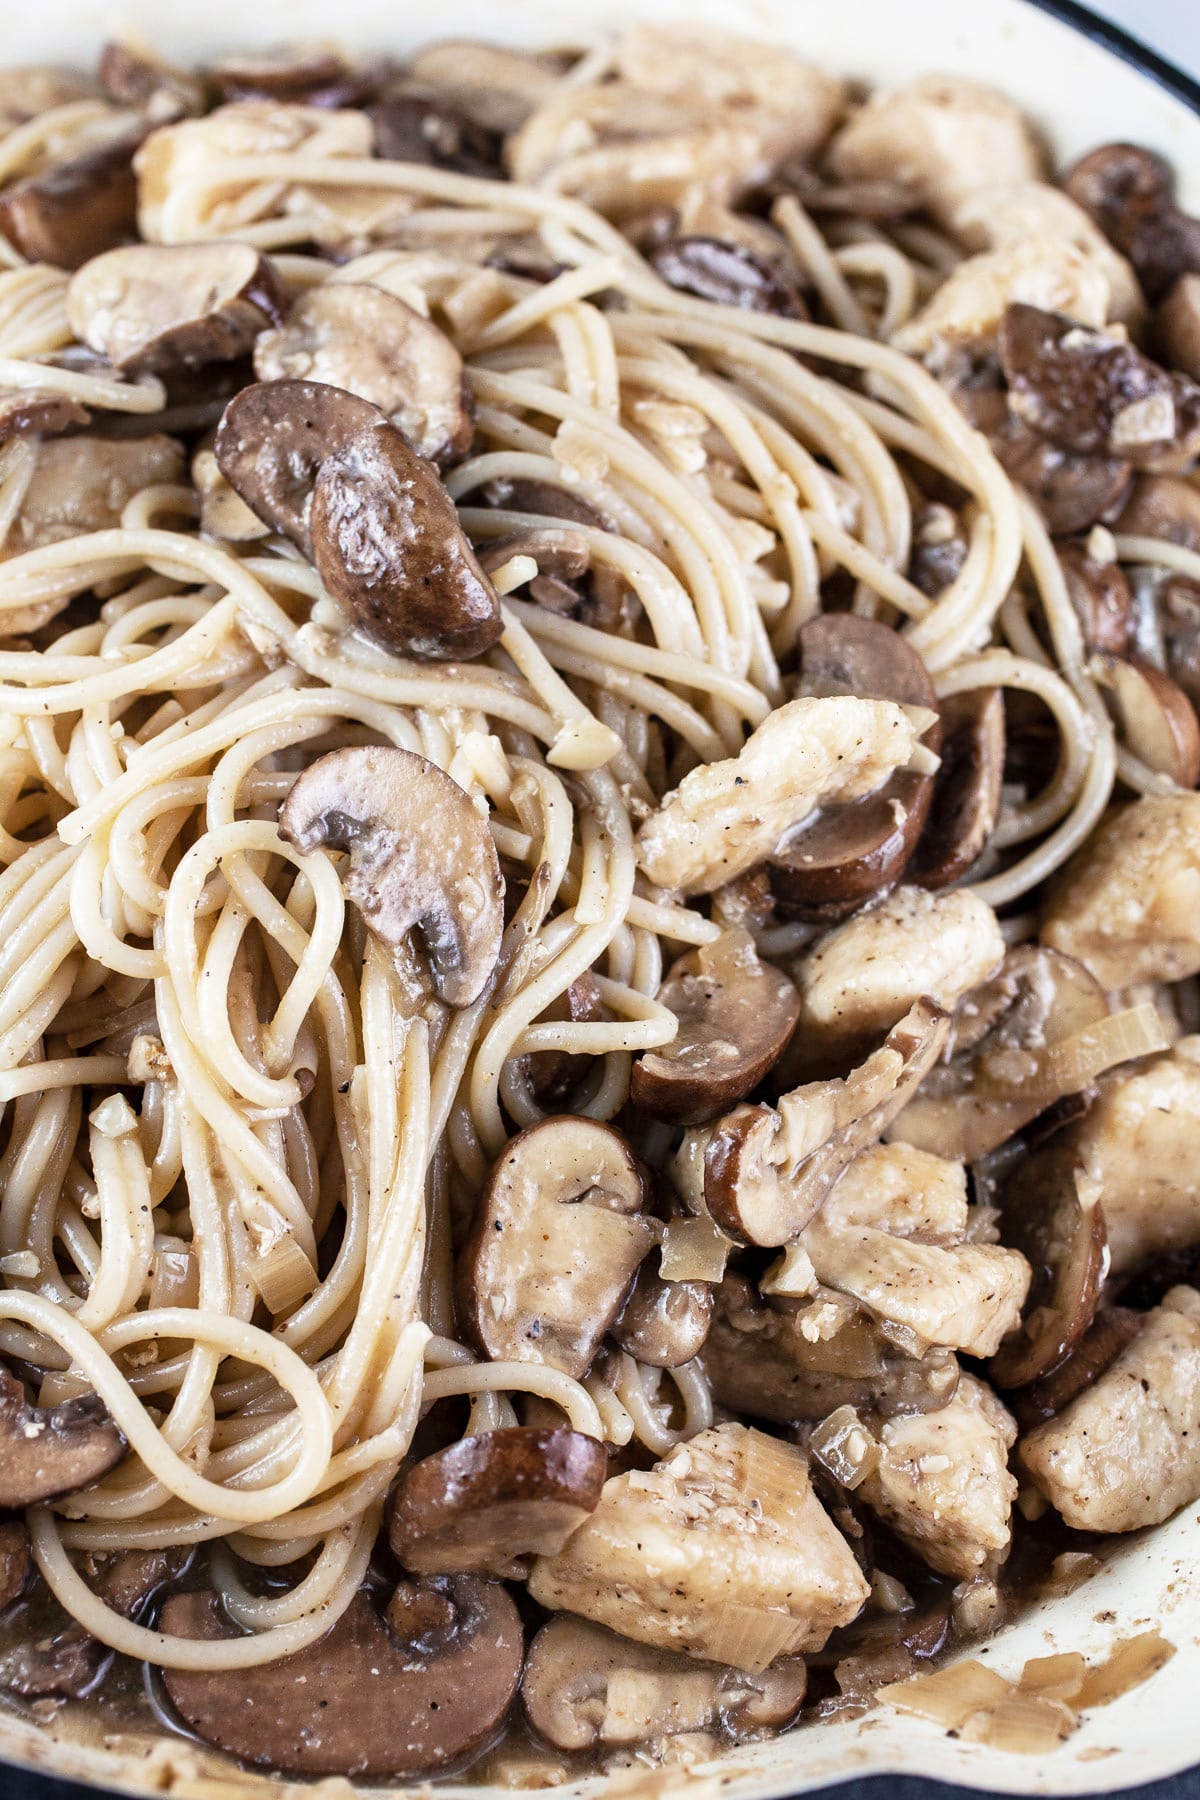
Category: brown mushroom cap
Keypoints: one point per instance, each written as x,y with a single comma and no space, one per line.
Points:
767,1171
41,412
966,789
293,78
735,1014
354,336
852,852
664,1323
1100,595
557,1241
78,209
1162,506
584,1685
59,1658
1154,718
421,855
425,1691
388,545
272,439
160,306
1072,492
1112,1330
495,1496
419,125
1058,1226
16,1560
47,1451
1129,191
729,274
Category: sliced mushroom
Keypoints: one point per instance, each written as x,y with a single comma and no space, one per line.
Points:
407,1698
1162,506
56,1657
39,412
52,1451
73,212
1112,1330
1130,192
967,789
1005,1060
939,549
492,85
1072,492
156,307
493,1497
561,1230
1178,324
729,274
521,494
1053,1217
139,78
850,852
722,1551
418,125
293,78
1154,718
554,1073
664,1323
1100,595
421,855
16,1560
584,1686
767,1170
354,336
1093,393
735,1014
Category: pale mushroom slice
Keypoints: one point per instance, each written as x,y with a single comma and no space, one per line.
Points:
421,855
736,1014
493,1497
155,307
407,1697
1154,717
1051,1212
361,338
722,1551
585,1686
767,1170
725,817
77,209
561,1229
664,1323
1126,1452
493,85
1099,592
48,1451
967,789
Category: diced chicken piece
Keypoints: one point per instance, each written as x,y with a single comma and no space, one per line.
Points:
993,218
1126,1453
965,1296
969,305
865,975
1138,1144
907,1192
941,137
942,1481
1128,904
726,816
722,1550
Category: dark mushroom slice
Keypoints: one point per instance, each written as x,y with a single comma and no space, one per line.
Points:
1094,393
16,1560
1112,1330
152,307
584,1685
354,336
736,1014
1071,492
39,412
388,545
966,789
421,856
563,559
419,125
294,78
851,852
1162,506
73,212
481,1503
1100,596
424,1692
664,1323
554,1073
1154,718
1048,1213
728,274
1178,326
137,78
560,1232
1010,1055
1130,193
767,1170
520,493
56,1658
48,1451
939,549
272,439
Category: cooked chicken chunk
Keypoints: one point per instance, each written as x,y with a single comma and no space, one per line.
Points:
83,483
722,1550
993,218
1138,1143
911,1193
969,305
941,137
1128,904
942,1480
865,975
726,816
1126,1453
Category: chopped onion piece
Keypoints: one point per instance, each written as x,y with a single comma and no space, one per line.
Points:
843,1445
751,1637
949,1696
174,1275
693,1250
283,1275
1028,1724
1054,1677
1071,1065
1131,1662
791,1274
